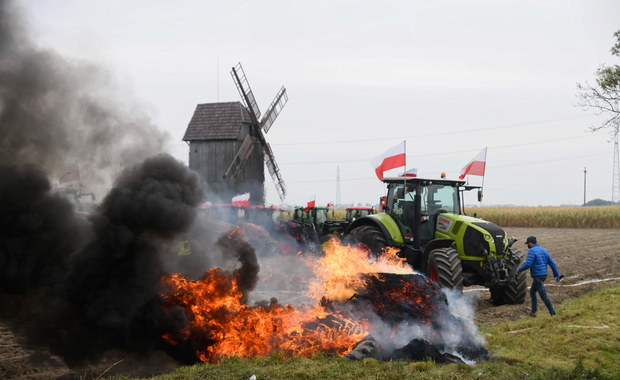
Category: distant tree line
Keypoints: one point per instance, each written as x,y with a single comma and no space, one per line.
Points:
601,202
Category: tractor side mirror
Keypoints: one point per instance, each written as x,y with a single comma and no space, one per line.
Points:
479,195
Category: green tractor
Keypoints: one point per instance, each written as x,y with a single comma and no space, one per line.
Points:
425,219
317,217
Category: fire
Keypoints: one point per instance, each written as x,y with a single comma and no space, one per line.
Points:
220,325
216,323
338,272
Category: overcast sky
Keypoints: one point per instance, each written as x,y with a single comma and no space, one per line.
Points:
449,77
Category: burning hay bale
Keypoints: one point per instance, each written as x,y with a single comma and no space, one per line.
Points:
389,316
410,306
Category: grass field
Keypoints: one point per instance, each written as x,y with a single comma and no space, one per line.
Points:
581,342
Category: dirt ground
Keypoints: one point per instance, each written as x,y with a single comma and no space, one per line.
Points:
589,259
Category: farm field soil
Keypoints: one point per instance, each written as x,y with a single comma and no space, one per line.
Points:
584,257
589,259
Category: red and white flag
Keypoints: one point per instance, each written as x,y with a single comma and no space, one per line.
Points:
309,205
413,172
70,176
241,200
391,159
330,204
475,166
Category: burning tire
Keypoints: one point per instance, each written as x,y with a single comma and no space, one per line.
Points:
444,267
370,236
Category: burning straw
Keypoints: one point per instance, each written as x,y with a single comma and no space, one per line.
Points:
357,302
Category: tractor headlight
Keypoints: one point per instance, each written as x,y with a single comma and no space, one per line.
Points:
487,237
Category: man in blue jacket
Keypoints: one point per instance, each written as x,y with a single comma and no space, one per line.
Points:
537,260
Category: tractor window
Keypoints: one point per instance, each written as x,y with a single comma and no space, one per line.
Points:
402,203
440,197
321,216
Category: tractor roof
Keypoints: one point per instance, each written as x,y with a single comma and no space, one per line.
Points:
360,208
424,181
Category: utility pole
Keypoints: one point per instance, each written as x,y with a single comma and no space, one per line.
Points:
584,185
615,187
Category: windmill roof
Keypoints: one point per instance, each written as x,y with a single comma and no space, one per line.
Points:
217,121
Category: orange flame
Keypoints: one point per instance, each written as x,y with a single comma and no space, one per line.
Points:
338,271
219,325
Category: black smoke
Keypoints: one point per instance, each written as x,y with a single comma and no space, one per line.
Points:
74,285
234,246
57,112
81,288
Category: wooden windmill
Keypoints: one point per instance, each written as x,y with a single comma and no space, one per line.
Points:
228,145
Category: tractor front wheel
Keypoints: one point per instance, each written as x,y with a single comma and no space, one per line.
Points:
444,266
370,236
514,292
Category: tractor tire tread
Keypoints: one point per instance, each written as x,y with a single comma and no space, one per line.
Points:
448,266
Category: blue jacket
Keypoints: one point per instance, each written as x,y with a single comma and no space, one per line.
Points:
537,260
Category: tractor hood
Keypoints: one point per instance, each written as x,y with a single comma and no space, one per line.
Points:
475,238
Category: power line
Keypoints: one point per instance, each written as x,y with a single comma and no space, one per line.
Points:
323,142
371,177
444,153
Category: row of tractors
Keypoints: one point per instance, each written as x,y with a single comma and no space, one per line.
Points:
426,221
303,232
423,218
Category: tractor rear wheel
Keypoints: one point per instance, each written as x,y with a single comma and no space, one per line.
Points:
444,266
370,236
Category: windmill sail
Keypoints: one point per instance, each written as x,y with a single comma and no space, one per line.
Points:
243,86
274,171
242,156
265,124
274,110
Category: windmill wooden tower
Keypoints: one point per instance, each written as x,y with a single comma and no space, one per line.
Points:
228,145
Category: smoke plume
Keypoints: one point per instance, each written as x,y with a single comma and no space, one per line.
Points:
57,113
78,286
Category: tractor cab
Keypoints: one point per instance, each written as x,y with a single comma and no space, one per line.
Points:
416,203
353,213
315,216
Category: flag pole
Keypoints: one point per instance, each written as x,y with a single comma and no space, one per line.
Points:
405,143
405,172
485,164
485,171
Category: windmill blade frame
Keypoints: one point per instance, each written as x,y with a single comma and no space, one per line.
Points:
242,156
274,110
243,86
274,170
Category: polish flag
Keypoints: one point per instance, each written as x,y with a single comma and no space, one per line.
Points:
391,159
310,204
475,166
241,200
413,172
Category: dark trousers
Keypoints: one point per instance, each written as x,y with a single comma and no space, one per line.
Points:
538,285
